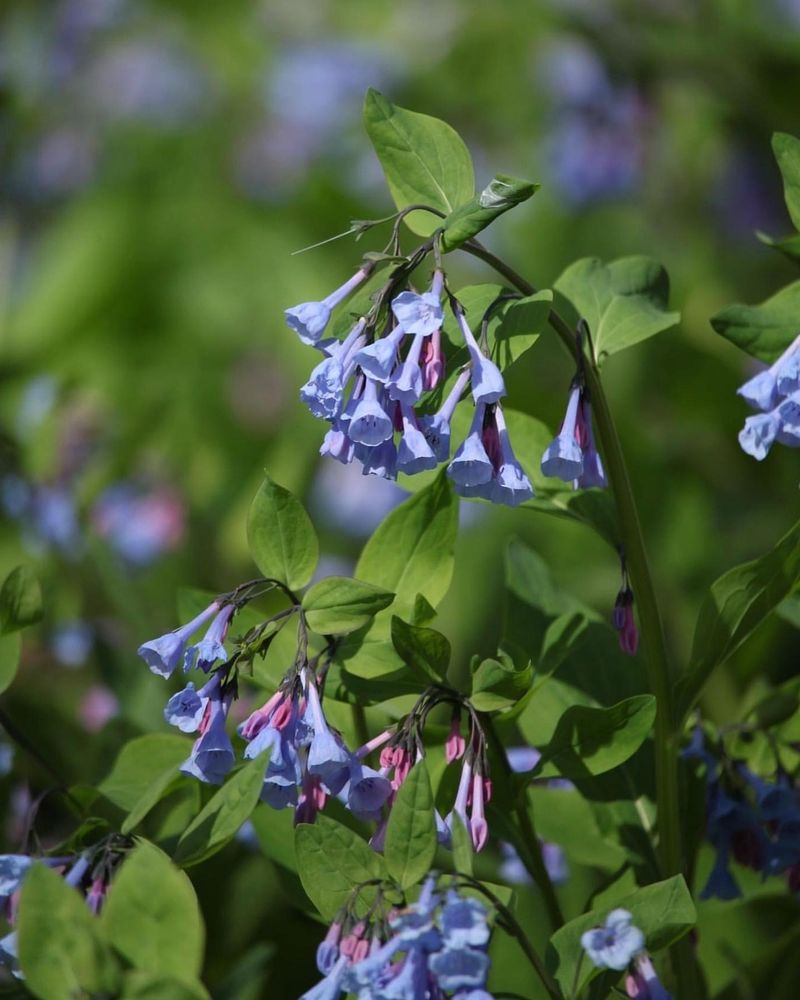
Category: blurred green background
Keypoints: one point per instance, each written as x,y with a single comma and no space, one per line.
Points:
161,161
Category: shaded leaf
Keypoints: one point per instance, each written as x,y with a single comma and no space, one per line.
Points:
765,330
424,650
338,605
411,832
20,600
282,539
139,764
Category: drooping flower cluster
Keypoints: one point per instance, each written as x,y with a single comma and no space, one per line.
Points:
775,393
749,820
572,455
619,944
371,390
436,947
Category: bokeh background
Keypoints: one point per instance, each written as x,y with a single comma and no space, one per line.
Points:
159,164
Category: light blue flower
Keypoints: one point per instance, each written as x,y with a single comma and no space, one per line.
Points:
367,790
13,868
460,968
614,945
414,453
324,389
487,382
436,427
379,461
464,922
405,383
212,757
420,315
378,360
185,709
761,391
164,654
309,319
563,457
370,424
511,486
332,985
205,653
471,465
338,445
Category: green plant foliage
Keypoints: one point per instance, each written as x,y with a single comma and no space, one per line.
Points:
282,539
341,605
411,832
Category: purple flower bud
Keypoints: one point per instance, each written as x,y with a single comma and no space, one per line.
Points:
643,983
563,457
164,654
210,648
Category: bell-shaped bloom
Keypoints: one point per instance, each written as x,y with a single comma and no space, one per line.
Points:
185,709
367,790
487,382
421,315
616,943
414,454
592,473
324,389
464,922
338,445
459,968
405,384
432,361
309,319
370,424
643,983
789,416
436,427
471,466
211,647
328,757
329,988
212,756
522,759
164,654
563,457
759,433
378,360
764,390
455,744
328,949
13,869
462,797
379,461
511,485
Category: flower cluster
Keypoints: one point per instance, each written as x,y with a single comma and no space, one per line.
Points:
775,393
434,947
619,944
572,455
752,821
14,868
370,389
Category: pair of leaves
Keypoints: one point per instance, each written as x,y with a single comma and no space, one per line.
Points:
20,606
736,605
426,162
151,919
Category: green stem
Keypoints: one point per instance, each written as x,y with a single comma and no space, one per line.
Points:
654,648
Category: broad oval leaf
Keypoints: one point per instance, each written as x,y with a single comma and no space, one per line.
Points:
152,918
498,683
765,330
424,160
332,860
590,741
423,650
623,302
736,605
411,832
140,763
663,911
20,600
338,605
282,539
219,820
60,950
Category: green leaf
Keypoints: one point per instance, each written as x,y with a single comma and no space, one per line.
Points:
140,763
787,152
142,985
765,330
424,160
624,302
159,789
332,861
589,741
338,605
282,539
498,684
20,600
219,820
663,911
10,650
152,918
60,949
736,605
499,195
423,650
411,832
412,551
461,844
521,322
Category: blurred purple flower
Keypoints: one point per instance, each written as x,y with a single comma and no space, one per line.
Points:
139,524
71,643
98,706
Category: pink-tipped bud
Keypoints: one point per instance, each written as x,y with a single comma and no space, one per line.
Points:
432,361
487,789
348,946
402,767
456,744
95,897
361,951
282,714
205,722
478,826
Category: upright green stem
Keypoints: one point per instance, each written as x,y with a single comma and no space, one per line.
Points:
670,847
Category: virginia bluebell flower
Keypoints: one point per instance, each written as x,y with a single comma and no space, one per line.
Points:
378,360
563,457
204,654
436,427
511,486
643,982
338,445
367,790
328,757
421,315
309,319
324,391
414,453
185,709
625,622
380,460
370,424
764,390
432,361
405,383
487,382
164,654
471,466
13,868
776,392
592,473
212,756
616,943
